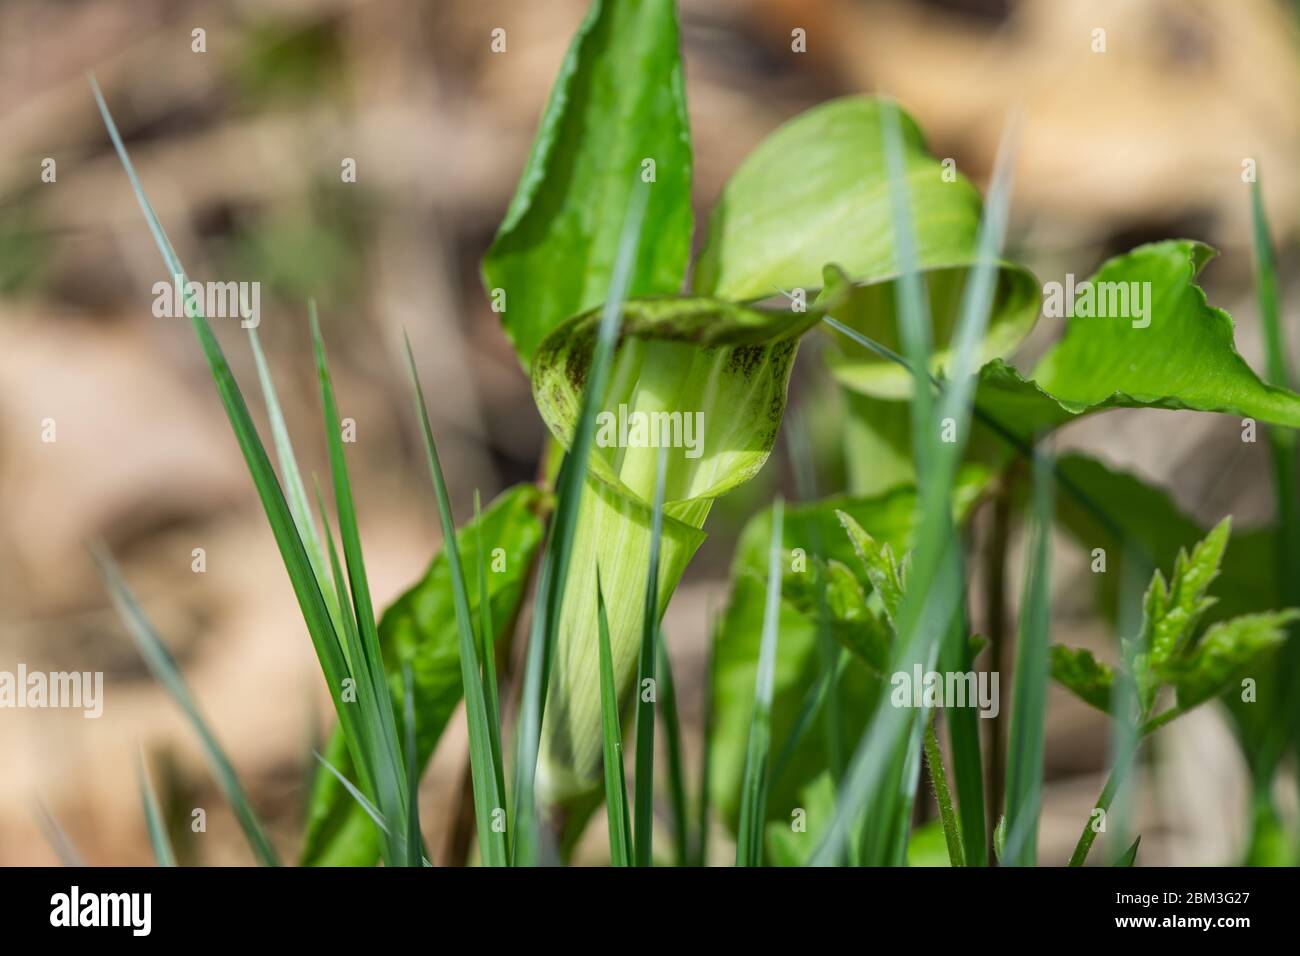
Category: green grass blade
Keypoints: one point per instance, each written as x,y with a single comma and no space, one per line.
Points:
414,843
153,818
487,799
357,795
388,779
554,571
295,491
57,837
753,793
1029,695
673,745
302,577
163,667
616,806
708,719
829,653
934,594
645,671
489,653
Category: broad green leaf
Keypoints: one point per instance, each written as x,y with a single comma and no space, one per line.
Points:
1176,352
1225,653
1086,677
616,116
1184,358
817,191
419,630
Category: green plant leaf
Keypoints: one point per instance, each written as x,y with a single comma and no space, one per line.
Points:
419,629
1086,677
881,568
554,253
817,191
1225,653
1183,356
1174,611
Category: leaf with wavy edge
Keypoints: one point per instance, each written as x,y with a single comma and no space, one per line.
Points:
554,253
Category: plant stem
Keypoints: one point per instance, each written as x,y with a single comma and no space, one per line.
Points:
942,794
1115,779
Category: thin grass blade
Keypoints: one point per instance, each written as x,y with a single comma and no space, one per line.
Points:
153,818
295,491
488,803
645,704
315,610
753,792
616,805
163,667
488,642
57,837
1029,694
673,745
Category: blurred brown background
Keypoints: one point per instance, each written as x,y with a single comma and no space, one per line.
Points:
240,150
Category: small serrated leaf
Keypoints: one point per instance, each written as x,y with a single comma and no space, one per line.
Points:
1224,653
878,559
1086,677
